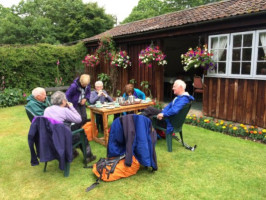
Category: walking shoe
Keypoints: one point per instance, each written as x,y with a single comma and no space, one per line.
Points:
90,159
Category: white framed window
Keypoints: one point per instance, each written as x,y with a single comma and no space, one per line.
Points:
239,55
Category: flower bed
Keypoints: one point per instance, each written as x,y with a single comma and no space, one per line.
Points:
241,130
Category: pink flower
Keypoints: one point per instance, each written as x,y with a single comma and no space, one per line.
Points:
58,62
24,95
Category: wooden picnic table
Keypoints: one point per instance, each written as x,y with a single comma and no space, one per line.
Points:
105,112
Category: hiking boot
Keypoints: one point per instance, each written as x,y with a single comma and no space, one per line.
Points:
90,159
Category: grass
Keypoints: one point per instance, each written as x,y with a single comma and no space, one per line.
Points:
222,167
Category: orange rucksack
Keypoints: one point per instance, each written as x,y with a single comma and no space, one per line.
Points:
111,169
87,129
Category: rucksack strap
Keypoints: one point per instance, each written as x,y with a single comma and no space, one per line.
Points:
93,185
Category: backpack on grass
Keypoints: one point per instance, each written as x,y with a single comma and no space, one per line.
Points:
111,169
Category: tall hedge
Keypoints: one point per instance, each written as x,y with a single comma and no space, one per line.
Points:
27,67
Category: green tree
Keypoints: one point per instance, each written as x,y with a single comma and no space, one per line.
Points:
55,21
151,8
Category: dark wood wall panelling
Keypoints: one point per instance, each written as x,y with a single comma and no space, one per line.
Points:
154,74
238,100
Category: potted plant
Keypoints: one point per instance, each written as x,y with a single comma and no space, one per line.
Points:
152,54
198,57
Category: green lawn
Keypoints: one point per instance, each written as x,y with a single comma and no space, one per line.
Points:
222,167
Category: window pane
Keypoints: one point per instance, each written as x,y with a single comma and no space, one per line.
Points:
215,56
214,43
262,38
235,68
261,68
223,42
222,55
236,54
237,41
246,54
246,66
247,40
221,69
261,54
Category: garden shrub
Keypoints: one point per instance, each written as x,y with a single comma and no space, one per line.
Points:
11,97
27,67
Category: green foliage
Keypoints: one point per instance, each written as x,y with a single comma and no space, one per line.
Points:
118,93
106,47
27,67
106,79
52,21
146,86
133,81
11,97
151,8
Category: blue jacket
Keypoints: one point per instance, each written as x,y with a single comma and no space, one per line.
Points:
174,107
133,135
73,92
137,93
51,139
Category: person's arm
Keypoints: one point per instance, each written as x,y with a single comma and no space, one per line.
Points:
72,115
176,107
88,92
94,97
70,92
141,95
107,97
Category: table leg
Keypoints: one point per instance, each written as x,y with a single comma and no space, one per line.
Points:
105,128
93,131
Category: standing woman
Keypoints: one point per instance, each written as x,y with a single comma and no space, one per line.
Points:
79,93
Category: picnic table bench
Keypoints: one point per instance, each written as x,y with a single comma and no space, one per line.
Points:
54,89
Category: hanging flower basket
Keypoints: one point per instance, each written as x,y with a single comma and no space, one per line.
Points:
199,57
91,60
121,59
152,54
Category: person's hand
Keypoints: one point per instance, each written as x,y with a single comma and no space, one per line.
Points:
160,116
69,104
83,101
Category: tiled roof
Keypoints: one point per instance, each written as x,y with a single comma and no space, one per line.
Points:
208,12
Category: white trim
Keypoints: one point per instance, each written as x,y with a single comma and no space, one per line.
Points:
254,55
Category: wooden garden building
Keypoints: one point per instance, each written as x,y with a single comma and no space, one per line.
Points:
235,31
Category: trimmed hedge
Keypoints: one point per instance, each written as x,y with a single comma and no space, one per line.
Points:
27,67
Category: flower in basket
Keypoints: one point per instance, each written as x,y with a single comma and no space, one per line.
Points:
91,60
121,59
152,54
199,57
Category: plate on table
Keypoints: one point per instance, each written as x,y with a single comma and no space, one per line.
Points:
106,105
110,107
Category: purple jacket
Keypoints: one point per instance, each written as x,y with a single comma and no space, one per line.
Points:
73,92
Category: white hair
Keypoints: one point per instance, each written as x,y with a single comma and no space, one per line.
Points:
181,83
98,83
37,91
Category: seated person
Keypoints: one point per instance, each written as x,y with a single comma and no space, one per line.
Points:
100,95
130,90
173,107
63,111
37,101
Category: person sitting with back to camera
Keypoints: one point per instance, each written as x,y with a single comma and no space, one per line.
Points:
37,101
64,112
130,90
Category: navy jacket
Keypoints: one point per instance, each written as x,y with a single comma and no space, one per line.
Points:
133,135
51,139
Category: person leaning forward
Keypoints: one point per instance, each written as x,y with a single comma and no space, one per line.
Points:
37,101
